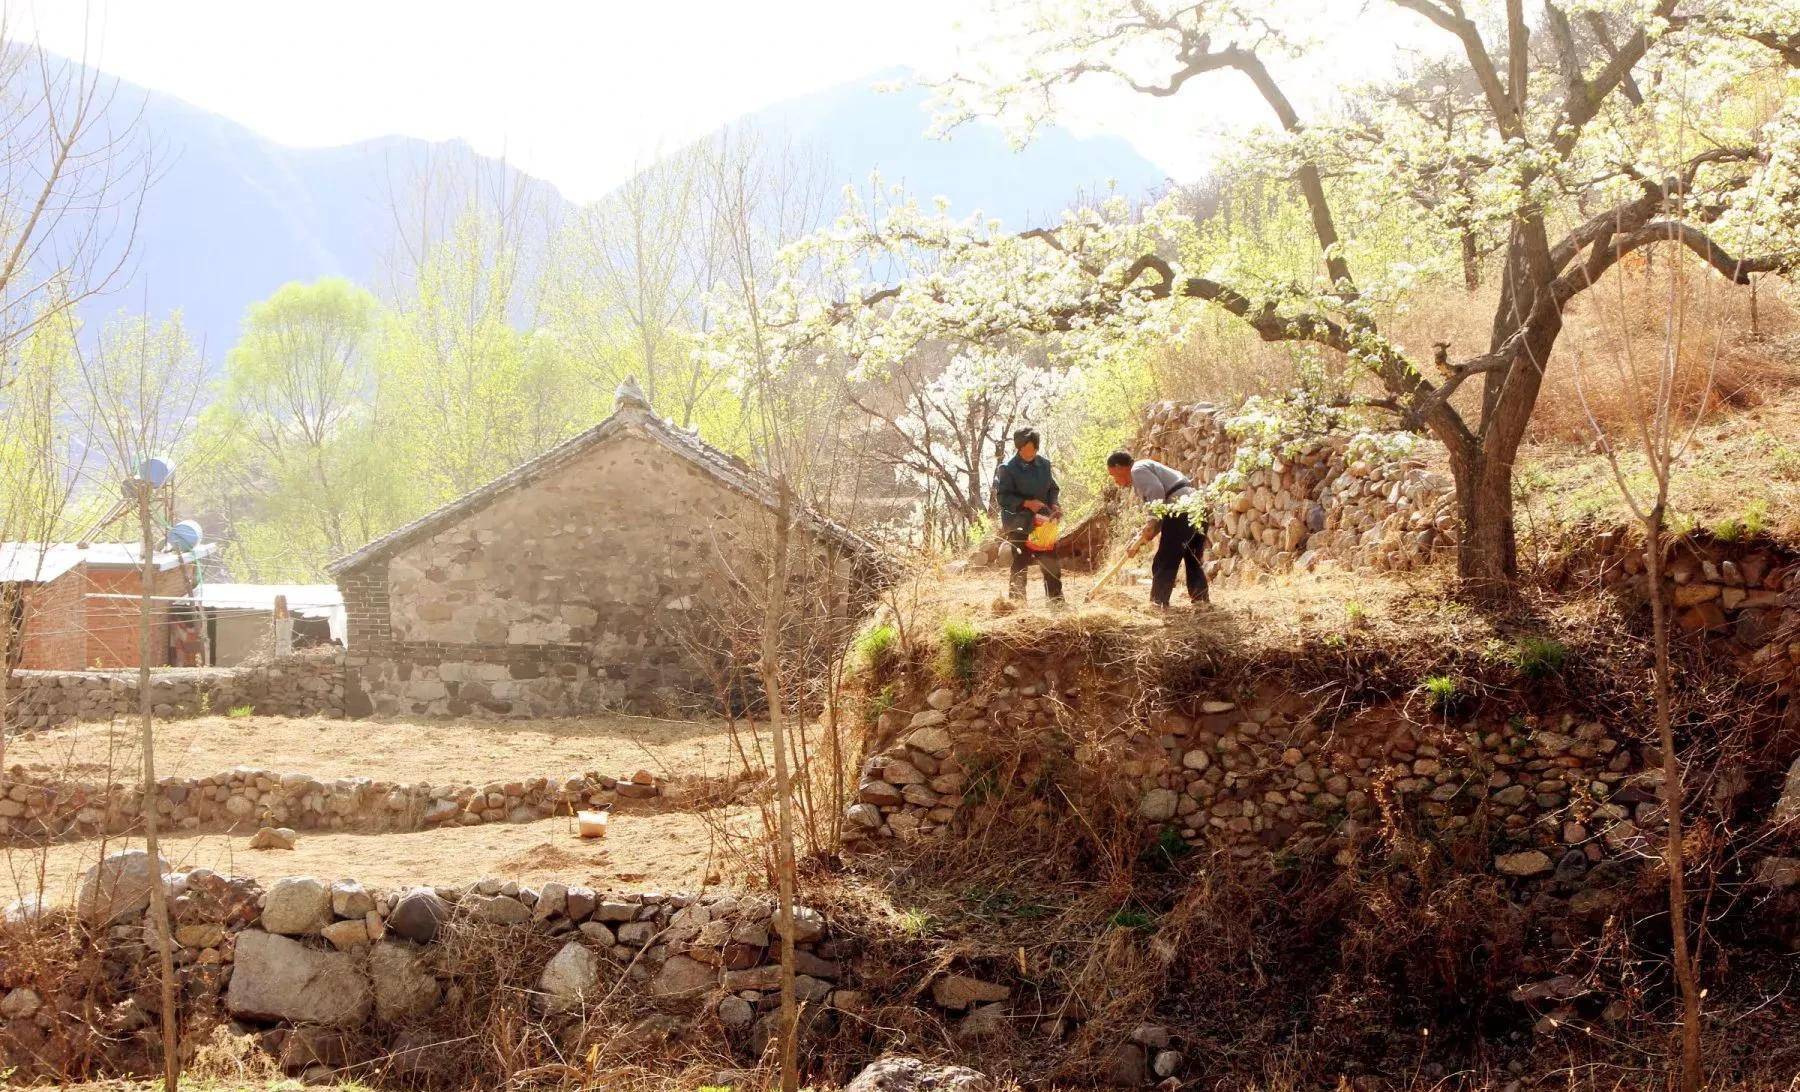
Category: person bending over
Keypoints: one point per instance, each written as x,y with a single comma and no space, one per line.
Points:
1182,544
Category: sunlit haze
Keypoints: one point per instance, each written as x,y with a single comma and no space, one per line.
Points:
580,93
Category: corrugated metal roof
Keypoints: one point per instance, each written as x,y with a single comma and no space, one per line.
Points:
307,599
40,563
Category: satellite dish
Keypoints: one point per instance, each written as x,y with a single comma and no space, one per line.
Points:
185,536
157,471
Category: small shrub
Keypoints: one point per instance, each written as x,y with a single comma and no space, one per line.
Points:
915,923
1751,524
956,657
1128,917
1355,613
1168,848
875,646
239,712
1442,689
1539,657
881,702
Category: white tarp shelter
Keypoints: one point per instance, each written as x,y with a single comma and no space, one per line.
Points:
240,615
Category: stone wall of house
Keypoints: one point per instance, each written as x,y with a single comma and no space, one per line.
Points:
1329,500
35,805
580,591
306,684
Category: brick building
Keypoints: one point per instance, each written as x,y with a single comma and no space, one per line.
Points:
572,583
70,606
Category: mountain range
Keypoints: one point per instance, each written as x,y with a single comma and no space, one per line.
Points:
232,215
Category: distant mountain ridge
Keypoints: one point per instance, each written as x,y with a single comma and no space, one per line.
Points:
234,215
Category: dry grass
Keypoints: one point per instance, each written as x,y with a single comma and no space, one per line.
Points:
1739,480
422,749
667,851
1622,315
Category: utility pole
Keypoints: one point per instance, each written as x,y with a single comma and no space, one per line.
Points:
159,906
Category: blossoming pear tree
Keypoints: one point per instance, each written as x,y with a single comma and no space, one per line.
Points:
1593,133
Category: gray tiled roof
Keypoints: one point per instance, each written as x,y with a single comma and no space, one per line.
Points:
631,412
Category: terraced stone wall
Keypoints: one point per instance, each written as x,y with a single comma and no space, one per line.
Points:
1266,771
38,806
308,684
1330,499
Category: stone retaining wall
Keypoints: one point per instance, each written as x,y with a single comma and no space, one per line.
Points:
1743,597
1328,498
35,806
308,684
326,974
1259,772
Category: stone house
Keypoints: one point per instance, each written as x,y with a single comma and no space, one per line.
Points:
575,582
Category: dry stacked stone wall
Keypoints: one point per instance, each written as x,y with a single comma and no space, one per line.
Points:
38,806
1329,498
1742,597
324,974
1263,772
309,684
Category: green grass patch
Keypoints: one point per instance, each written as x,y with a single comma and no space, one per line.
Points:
876,646
1443,690
239,712
916,923
1131,917
1751,523
1168,848
1539,657
956,656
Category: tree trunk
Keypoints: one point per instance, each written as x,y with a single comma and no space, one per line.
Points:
774,612
1471,261
1486,553
1674,856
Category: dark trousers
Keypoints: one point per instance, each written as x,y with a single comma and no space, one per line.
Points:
1021,563
1178,544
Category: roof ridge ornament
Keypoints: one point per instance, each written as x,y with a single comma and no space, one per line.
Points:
629,394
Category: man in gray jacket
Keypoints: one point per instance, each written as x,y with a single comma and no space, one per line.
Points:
1025,488
1182,544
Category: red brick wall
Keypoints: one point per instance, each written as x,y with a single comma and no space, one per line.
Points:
112,624
55,629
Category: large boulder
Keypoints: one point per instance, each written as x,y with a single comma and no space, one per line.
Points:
897,1074
117,887
681,975
281,979
403,986
572,975
418,915
297,906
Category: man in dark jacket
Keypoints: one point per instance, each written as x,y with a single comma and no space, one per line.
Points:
1182,544
1025,489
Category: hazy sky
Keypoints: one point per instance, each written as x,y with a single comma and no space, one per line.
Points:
578,93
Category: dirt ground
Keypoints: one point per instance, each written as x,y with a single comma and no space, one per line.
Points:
641,851
438,751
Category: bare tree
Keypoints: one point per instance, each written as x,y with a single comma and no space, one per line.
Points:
1660,439
72,184
637,267
37,485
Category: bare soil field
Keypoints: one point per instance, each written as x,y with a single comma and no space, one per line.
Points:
437,751
673,850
